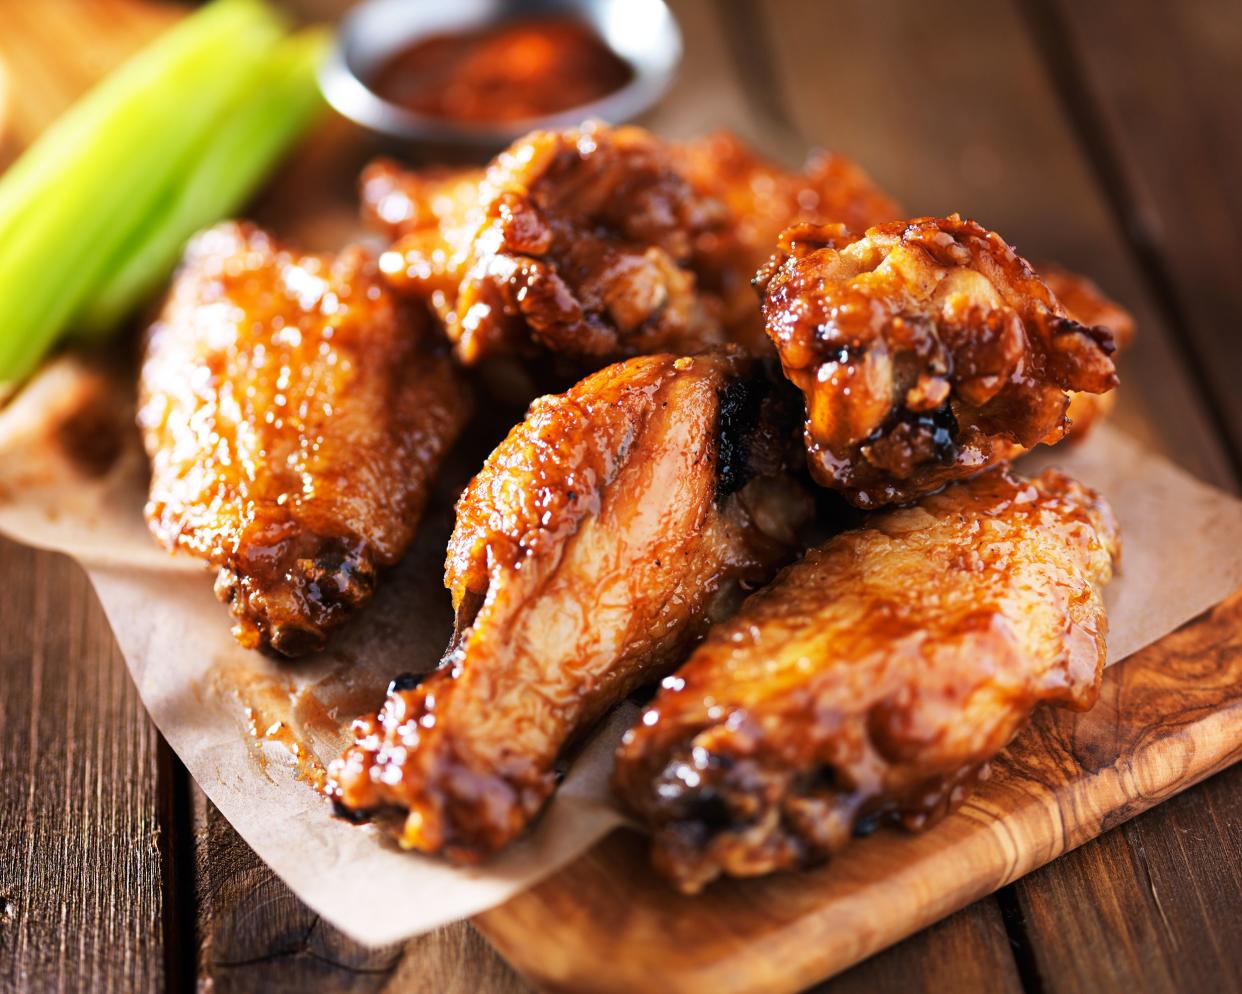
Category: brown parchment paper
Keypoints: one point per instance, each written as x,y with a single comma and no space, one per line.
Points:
255,733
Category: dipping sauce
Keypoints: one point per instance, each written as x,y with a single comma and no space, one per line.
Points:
510,72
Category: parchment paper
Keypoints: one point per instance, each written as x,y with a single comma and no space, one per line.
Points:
255,733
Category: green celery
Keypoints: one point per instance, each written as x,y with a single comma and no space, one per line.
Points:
63,220
248,142
49,159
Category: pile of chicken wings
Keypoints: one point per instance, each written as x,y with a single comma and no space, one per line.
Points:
779,486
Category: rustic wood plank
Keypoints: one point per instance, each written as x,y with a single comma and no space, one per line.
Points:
968,951
100,904
1155,88
55,49
81,903
949,106
1147,908
256,935
1168,718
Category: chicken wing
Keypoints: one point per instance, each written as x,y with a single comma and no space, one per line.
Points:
1087,304
440,206
874,680
603,242
600,540
757,201
927,350
294,420
580,247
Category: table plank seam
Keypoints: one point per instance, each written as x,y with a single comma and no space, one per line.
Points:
751,48
1063,62
1021,943
176,844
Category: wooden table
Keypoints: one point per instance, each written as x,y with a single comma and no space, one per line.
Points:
1103,135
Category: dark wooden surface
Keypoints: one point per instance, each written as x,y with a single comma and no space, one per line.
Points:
1105,135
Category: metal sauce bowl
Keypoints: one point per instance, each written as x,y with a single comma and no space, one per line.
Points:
642,32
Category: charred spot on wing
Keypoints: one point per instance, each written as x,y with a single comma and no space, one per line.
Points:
359,817
944,432
643,694
404,681
709,810
758,430
1100,334
737,418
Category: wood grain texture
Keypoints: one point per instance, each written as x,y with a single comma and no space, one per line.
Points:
81,902
53,50
1167,718
255,935
1162,903
1157,87
968,951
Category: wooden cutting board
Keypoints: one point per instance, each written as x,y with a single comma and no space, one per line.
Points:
1168,717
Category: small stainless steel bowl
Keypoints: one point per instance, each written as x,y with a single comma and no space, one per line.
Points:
642,32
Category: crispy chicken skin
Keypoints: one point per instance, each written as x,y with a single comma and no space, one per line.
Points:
599,242
756,200
875,679
578,243
599,541
439,204
1087,304
927,350
294,421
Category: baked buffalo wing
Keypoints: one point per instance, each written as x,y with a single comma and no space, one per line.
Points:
294,420
1087,304
599,242
600,540
927,350
875,679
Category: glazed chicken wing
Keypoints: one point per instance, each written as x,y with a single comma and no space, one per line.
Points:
600,540
757,200
927,350
603,242
578,243
294,421
1087,304
874,679
439,206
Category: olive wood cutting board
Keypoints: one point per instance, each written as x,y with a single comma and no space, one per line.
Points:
1167,717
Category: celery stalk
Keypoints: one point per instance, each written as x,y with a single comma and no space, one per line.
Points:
100,175
240,153
50,158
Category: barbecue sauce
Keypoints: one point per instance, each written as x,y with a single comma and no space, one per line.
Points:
511,72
